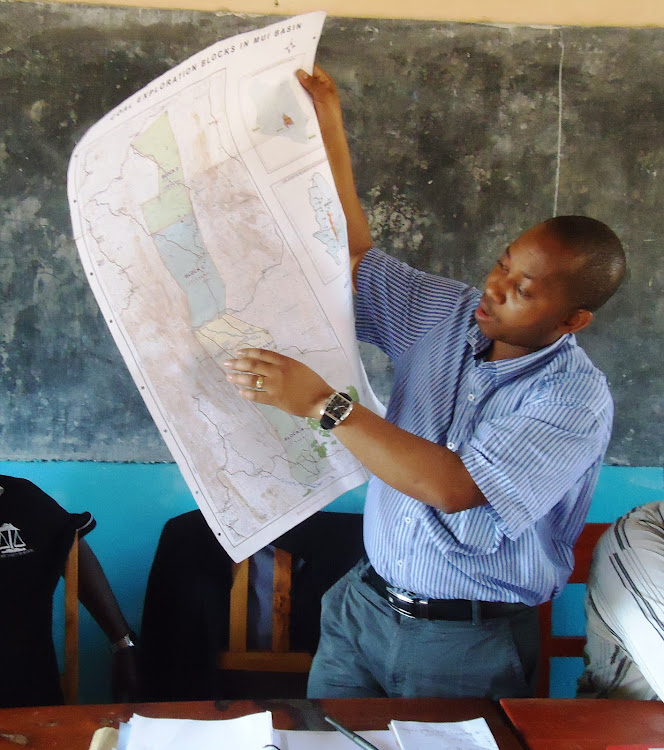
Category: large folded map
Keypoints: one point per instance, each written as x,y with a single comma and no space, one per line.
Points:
206,219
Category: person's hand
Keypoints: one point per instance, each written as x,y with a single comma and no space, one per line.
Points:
266,377
124,676
323,90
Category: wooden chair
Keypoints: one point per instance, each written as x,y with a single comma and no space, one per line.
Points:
566,645
280,658
69,678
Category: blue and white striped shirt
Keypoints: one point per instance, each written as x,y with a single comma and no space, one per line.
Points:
532,432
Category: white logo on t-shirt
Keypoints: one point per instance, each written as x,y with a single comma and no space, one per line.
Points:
11,542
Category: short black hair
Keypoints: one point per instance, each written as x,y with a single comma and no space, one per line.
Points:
602,262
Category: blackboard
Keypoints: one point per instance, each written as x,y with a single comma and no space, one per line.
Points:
463,135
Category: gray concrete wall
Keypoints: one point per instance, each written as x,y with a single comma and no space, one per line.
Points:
455,133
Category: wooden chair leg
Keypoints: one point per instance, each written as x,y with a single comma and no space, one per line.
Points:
280,658
70,676
281,604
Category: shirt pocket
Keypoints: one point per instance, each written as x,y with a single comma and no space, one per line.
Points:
470,532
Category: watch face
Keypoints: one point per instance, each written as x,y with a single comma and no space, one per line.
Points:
337,408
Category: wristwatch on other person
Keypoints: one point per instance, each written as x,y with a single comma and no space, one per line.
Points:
337,408
127,641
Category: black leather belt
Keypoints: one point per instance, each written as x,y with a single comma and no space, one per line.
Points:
412,605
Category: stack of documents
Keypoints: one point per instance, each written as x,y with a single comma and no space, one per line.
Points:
255,732
459,735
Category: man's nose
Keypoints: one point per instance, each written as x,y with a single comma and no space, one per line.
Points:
495,289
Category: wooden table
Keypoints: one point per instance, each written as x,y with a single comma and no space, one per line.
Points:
585,724
72,727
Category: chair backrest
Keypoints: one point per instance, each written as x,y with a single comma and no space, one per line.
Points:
566,645
280,658
69,678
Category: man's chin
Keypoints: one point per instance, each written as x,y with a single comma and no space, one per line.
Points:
485,325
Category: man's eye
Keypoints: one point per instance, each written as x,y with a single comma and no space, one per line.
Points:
500,263
522,292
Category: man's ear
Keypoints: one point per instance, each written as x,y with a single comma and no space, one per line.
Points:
576,321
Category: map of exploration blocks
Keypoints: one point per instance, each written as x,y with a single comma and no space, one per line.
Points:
206,219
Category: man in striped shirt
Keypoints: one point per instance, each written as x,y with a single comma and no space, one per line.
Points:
484,466
624,652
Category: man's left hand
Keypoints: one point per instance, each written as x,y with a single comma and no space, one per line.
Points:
267,377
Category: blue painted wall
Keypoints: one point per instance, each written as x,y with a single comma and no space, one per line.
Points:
131,503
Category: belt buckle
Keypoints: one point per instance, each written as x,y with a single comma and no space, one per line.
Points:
409,606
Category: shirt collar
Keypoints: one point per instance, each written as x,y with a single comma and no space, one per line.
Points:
477,340
504,368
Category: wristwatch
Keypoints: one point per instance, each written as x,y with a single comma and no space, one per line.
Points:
124,642
337,407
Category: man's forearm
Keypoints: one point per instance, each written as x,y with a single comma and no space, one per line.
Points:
97,596
338,154
417,467
412,465
325,98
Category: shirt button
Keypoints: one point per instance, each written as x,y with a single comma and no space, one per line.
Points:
407,520
451,446
471,396
400,563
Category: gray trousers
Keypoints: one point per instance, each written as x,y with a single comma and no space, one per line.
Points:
368,650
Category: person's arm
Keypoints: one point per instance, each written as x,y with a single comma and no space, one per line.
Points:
626,587
417,467
323,91
98,598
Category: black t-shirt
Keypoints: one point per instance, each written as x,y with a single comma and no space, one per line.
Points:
36,535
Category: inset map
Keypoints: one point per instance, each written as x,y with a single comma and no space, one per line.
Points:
278,127
322,228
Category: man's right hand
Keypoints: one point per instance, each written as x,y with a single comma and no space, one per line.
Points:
323,91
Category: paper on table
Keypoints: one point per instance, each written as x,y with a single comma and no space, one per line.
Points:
287,739
460,735
105,738
124,730
251,732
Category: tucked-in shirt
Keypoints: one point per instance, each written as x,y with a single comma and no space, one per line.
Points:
531,431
